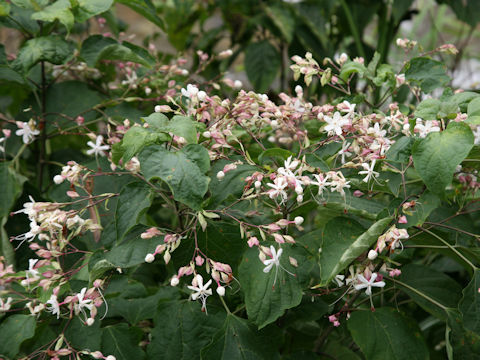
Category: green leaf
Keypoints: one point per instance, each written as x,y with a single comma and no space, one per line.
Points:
283,19
473,112
122,342
12,184
437,156
469,306
89,8
134,141
274,154
386,334
182,126
122,53
432,290
132,251
137,308
425,205
134,200
400,151
92,47
231,185
461,343
428,109
180,170
7,74
4,9
350,68
82,336
343,241
59,10
19,328
427,73
267,295
181,330
262,63
239,340
52,49
146,9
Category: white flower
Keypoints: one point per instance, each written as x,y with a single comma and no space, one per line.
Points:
476,134
335,124
376,132
424,130
5,306
368,284
278,188
190,92
221,291
322,182
54,307
30,235
298,220
347,108
368,171
97,148
200,291
275,260
83,302
344,151
131,80
27,131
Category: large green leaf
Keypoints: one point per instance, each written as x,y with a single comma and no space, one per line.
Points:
425,205
470,304
461,343
267,295
181,170
135,198
179,125
262,62
59,10
239,340
122,53
437,156
432,290
122,342
131,252
343,241
11,189
93,46
19,328
386,334
400,150
134,140
182,330
473,111
427,73
89,8
146,9
52,49
82,336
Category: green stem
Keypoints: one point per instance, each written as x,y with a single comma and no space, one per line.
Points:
225,305
353,28
449,246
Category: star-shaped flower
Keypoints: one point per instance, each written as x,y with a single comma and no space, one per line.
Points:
368,171
368,284
201,291
97,148
54,307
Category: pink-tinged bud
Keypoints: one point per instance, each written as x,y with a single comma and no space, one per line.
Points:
289,239
7,132
160,249
402,219
90,321
395,272
110,357
98,283
44,253
199,260
358,193
336,323
167,257
229,167
150,233
253,241
279,238
72,194
97,355
293,261
282,222
48,274
34,246
332,318
272,227
79,120
220,175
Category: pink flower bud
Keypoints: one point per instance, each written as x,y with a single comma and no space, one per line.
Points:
253,241
402,219
199,260
80,120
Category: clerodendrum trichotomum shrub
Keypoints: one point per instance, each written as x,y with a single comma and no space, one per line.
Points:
170,216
